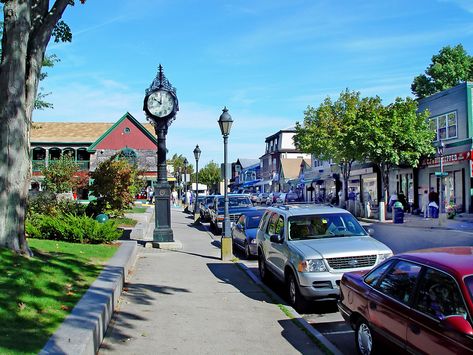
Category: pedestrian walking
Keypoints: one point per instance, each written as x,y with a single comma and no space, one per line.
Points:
392,201
425,204
174,198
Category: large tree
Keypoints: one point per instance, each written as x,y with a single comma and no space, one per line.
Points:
394,135
27,29
451,66
210,175
331,132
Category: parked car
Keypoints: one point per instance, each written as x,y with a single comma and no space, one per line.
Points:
272,198
420,301
237,204
244,232
254,197
262,196
287,197
309,247
205,206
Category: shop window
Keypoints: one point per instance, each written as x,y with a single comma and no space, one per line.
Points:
444,126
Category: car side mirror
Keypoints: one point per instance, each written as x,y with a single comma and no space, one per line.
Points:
458,324
370,231
276,238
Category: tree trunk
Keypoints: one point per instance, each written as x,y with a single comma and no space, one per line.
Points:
23,46
14,151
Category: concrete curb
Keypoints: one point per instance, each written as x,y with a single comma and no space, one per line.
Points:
390,222
293,313
83,330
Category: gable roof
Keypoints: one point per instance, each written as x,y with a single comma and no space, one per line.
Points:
290,168
126,116
245,163
73,132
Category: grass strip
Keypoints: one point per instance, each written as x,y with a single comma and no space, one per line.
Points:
37,294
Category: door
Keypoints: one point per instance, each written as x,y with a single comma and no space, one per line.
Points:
438,297
239,231
389,308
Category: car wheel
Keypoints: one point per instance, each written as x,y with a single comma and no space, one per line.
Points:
364,338
296,300
247,251
263,269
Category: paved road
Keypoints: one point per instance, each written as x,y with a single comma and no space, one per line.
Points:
324,316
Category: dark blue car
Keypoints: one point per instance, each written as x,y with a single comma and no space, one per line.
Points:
244,232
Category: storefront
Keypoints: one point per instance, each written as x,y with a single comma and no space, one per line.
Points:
457,182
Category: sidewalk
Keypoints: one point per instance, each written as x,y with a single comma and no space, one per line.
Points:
462,222
188,301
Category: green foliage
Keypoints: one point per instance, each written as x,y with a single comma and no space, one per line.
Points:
354,129
210,174
47,203
59,175
331,132
72,228
37,293
116,182
451,66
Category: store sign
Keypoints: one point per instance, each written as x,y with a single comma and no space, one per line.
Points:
449,159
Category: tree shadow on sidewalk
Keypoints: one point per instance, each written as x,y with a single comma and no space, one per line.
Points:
231,274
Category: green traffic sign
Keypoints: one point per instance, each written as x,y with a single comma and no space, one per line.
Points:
439,173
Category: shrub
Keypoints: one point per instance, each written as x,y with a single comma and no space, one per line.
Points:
116,182
48,203
71,228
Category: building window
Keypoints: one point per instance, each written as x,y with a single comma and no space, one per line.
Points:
127,130
444,126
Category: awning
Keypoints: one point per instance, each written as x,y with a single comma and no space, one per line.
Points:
263,182
251,183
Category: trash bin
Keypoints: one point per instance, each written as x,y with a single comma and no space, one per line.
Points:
433,212
398,216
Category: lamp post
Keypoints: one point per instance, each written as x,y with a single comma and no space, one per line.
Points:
185,182
441,174
225,122
197,152
161,106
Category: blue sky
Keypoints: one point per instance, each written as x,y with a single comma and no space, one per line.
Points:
266,60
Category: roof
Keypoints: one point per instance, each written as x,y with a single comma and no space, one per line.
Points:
72,132
291,168
458,260
245,163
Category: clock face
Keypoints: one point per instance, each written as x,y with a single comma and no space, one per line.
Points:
160,103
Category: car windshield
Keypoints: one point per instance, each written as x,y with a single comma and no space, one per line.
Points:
324,226
469,285
253,221
235,201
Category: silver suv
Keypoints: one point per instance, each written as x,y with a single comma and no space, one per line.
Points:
309,247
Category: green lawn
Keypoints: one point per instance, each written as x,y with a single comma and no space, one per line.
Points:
136,210
125,222
37,294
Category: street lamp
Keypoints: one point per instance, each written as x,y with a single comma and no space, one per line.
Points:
225,122
442,174
197,152
185,178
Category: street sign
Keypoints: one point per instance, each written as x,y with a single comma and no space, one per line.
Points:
439,173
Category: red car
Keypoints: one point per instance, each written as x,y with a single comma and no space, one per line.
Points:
415,302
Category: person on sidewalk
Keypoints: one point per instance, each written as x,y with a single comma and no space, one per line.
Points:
425,204
392,201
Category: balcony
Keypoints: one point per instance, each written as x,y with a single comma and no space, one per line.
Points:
38,165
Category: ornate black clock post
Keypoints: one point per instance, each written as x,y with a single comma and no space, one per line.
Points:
161,106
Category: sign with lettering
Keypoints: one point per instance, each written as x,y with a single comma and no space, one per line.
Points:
449,159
